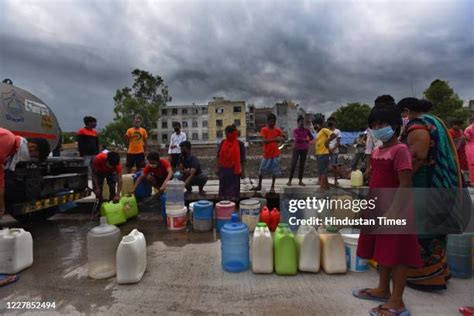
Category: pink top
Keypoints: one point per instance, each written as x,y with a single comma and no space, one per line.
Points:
386,162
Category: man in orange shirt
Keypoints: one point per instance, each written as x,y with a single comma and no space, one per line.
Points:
272,137
136,138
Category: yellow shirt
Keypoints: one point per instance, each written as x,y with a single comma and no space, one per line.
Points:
136,138
321,138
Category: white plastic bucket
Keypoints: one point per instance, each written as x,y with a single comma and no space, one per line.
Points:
354,263
176,218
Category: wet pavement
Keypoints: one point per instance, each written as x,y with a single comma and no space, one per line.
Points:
184,276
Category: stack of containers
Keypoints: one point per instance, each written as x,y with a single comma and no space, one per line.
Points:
224,210
176,211
202,216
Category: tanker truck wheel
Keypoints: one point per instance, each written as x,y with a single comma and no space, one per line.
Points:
37,216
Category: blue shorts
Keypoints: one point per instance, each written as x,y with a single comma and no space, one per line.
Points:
270,166
323,164
333,159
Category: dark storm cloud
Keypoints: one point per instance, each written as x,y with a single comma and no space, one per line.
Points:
321,54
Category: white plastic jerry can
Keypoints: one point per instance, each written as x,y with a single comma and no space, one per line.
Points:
309,250
333,252
357,178
262,249
16,250
131,258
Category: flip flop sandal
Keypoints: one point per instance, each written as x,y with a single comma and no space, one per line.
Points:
6,279
365,295
467,310
380,310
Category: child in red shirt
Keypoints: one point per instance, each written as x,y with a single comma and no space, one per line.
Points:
391,171
157,172
272,137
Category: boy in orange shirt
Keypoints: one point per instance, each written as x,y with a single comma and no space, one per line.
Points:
272,137
136,137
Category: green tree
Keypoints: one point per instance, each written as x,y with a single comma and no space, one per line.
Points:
68,137
147,94
446,103
352,117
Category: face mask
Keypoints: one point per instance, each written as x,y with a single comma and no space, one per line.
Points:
383,134
405,120
154,165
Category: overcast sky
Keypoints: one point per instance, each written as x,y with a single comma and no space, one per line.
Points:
321,54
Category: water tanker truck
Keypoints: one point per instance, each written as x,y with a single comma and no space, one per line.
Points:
36,190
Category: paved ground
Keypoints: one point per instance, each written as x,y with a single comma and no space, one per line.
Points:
184,276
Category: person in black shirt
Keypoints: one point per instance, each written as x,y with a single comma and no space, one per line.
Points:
88,140
190,169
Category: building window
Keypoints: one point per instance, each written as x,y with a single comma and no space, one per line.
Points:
164,137
154,137
195,110
184,111
219,134
204,123
219,123
195,124
164,112
184,124
237,109
205,136
237,122
219,110
164,124
238,133
195,136
204,110
174,111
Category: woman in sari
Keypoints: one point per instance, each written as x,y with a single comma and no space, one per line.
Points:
230,164
436,170
469,133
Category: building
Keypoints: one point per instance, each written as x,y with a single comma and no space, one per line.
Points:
224,112
193,119
287,116
250,120
261,115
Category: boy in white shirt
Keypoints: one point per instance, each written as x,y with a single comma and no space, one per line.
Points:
174,150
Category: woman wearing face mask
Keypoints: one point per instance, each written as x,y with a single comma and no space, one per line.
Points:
436,175
395,252
469,133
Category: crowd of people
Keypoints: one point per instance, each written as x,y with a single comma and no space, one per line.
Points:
403,147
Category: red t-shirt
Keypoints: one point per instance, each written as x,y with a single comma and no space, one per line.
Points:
161,171
99,165
270,150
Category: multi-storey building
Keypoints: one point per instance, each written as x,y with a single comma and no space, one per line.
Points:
193,119
224,112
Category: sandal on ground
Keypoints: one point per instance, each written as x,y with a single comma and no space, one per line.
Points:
7,279
467,310
380,310
364,294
